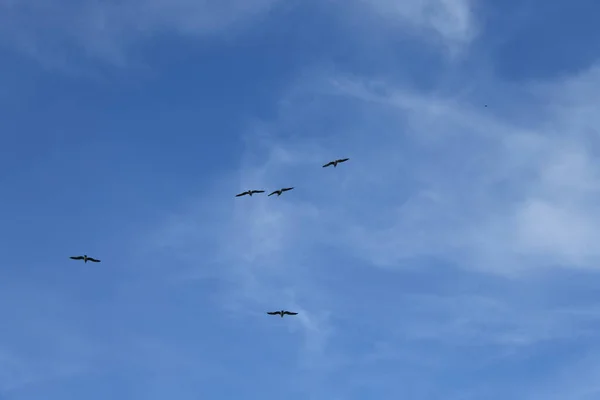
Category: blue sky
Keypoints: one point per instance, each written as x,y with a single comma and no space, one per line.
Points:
455,256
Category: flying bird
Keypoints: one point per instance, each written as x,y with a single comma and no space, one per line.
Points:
85,258
282,313
280,191
249,192
336,162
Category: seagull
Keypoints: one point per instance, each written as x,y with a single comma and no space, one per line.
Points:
282,313
280,191
249,192
85,258
336,162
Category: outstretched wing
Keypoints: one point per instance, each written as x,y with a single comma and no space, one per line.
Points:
258,191
242,194
77,258
286,189
328,164
290,313
93,259
343,160
274,313
273,193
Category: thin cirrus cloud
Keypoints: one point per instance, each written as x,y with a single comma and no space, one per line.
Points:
502,197
495,196
108,31
453,21
430,265
523,192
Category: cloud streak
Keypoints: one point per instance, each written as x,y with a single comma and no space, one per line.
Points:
501,196
457,245
507,197
451,21
108,31
116,32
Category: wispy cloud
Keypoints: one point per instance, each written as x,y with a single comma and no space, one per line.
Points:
459,241
107,31
114,32
431,179
502,195
451,21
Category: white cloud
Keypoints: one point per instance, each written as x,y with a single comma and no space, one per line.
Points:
428,177
494,320
487,192
52,32
450,21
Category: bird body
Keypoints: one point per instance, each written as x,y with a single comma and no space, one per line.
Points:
85,258
249,193
336,162
282,313
280,191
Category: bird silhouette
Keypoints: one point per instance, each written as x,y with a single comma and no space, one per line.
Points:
282,313
280,191
249,192
85,258
336,162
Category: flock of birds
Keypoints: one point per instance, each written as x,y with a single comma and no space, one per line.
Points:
278,192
